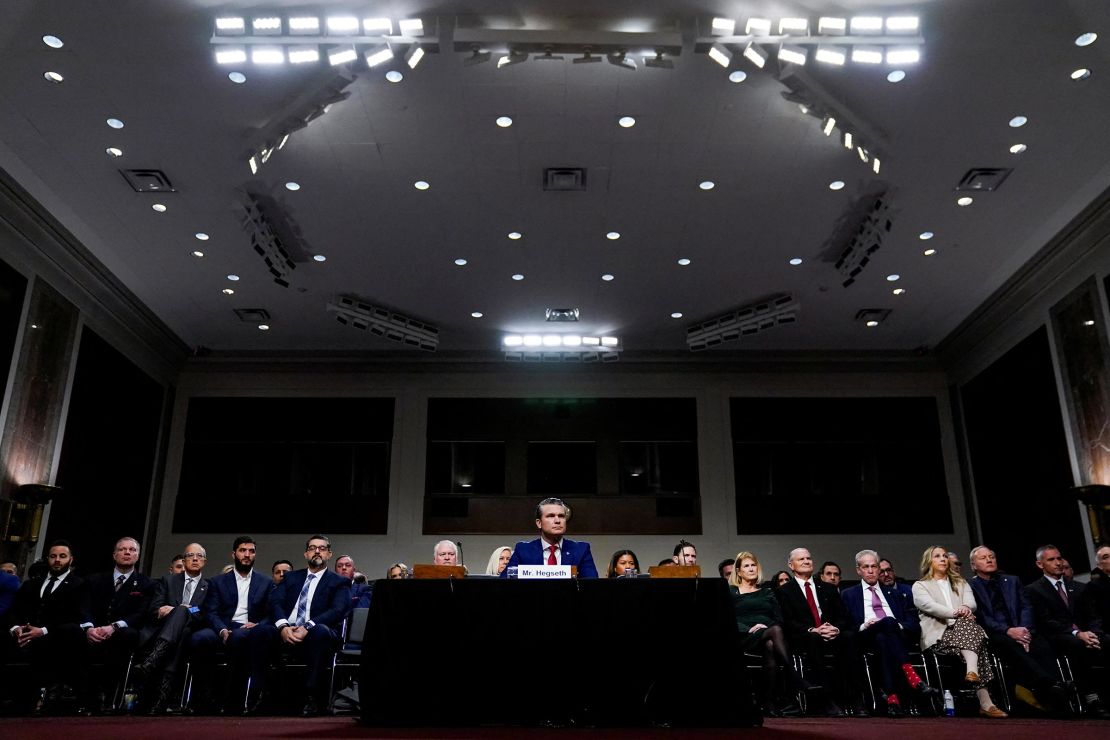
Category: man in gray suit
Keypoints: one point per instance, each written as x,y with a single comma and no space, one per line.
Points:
173,616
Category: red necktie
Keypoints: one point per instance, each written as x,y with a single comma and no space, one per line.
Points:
551,557
812,605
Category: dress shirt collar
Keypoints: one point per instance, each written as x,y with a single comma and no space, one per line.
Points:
547,545
1053,581
241,577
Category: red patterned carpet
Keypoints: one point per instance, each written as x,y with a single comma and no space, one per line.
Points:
215,728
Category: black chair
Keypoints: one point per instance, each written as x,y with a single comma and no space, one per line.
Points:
349,655
936,665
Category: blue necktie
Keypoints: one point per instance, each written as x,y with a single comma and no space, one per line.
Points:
302,600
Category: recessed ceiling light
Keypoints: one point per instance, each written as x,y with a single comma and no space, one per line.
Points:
896,75
201,235
925,236
836,185
1083,39
233,278
627,121
460,262
898,291
676,315
515,235
795,261
893,277
52,77
707,184
872,323
113,152
737,75
421,185
965,201
929,252
607,277
294,186
613,235
1079,74
228,291
504,121
1018,121
319,258
237,77
394,76
477,314
198,253
264,327
518,277
1018,148
1089,322
56,43
684,261
159,207
114,123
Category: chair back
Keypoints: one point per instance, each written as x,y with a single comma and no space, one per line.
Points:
356,626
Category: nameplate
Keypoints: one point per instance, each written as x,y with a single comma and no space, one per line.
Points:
543,572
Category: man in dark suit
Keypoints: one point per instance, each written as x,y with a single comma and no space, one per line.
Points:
817,624
1063,615
46,631
552,548
885,628
116,603
1006,615
307,607
237,602
173,616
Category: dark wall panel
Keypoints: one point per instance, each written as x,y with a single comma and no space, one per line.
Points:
13,287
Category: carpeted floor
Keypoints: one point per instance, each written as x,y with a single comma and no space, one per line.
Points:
266,728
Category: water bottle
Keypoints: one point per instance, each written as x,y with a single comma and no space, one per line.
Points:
949,704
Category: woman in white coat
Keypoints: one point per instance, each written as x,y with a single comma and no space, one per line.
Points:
948,625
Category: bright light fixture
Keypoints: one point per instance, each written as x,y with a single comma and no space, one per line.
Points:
460,262
159,207
722,27
341,55
965,201
394,76
515,235
684,261
872,323
830,26
925,236
378,55
518,277
504,121
294,186
929,252
476,314
304,25
411,27
863,156
304,55
613,235
758,27
898,291
903,24
513,340
626,122
875,165
609,341
343,24
896,75
532,340
198,253
233,55
607,277
795,261
1083,39
836,185
847,139
831,54
237,77
202,236
795,26
867,54
676,315
793,54
867,24
228,291
903,56
707,184
233,278
1018,121
268,55
755,55
319,258
720,54
552,340
53,77
893,278
421,185
572,340
1018,148
114,123
114,151
738,75
377,26
56,43
414,55
266,26
828,126
1079,74
231,25
264,327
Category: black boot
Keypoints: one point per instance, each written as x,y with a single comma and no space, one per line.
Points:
162,697
153,659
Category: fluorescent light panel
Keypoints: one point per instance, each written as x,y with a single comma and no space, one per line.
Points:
231,55
378,55
758,27
411,26
342,55
903,56
720,54
377,26
755,55
795,26
903,24
231,25
306,25
303,55
266,26
723,27
343,24
573,341
792,54
867,54
831,55
268,55
831,26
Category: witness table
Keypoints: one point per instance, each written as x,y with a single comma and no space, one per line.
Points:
596,652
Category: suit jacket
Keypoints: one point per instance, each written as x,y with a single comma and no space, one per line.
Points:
853,601
798,620
65,606
168,591
934,611
1013,593
1053,617
105,605
9,587
223,599
574,553
330,602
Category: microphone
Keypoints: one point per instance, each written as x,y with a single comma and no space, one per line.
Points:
459,546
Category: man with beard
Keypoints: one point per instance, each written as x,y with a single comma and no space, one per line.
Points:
308,607
237,603
46,632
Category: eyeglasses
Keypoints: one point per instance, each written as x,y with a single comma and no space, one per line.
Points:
318,548
195,556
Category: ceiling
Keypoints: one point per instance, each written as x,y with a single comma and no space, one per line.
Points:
152,66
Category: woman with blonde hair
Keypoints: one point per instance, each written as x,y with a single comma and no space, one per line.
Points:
759,619
498,560
948,625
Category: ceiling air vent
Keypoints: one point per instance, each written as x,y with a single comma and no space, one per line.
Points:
565,179
148,181
253,315
983,178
